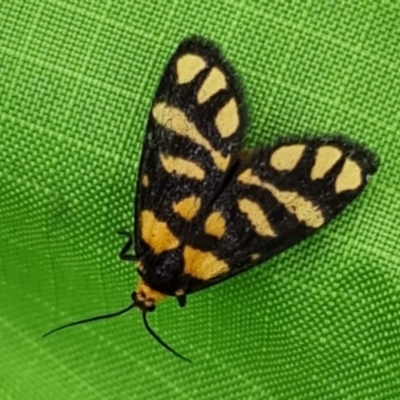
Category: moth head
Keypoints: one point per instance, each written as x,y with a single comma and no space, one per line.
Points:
146,298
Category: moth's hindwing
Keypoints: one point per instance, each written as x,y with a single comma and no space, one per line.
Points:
204,211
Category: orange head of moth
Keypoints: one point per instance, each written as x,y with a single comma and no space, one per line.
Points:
146,298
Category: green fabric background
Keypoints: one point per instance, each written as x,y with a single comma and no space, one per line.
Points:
320,321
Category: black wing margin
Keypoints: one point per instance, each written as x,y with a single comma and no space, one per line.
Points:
281,195
193,136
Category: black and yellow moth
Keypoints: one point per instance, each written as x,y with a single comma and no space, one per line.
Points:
207,210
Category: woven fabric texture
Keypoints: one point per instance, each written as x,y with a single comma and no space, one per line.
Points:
320,321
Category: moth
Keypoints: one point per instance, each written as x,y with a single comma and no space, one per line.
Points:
207,210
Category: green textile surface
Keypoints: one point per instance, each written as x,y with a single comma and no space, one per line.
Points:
320,321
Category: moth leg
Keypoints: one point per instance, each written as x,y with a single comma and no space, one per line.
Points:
181,297
123,255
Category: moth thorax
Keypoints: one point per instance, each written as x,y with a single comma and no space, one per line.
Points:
145,297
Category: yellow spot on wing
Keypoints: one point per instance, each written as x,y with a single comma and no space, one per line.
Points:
188,66
188,207
156,233
304,210
202,265
255,256
175,120
285,158
145,181
215,224
349,178
227,119
256,217
214,82
325,159
180,166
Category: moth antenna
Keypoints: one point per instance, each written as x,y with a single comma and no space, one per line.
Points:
159,340
96,318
